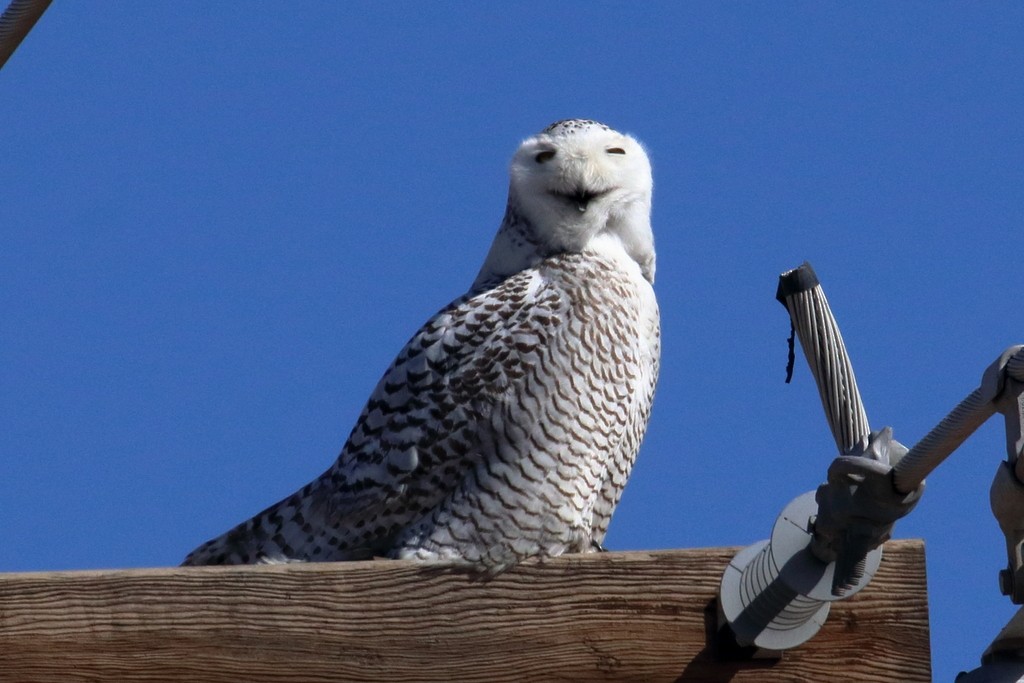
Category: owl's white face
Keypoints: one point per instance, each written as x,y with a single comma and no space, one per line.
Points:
574,185
578,180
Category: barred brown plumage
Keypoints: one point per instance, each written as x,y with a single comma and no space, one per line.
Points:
508,425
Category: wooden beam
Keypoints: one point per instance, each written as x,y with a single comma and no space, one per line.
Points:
637,616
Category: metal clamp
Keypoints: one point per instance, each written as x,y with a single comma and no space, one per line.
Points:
858,507
1001,384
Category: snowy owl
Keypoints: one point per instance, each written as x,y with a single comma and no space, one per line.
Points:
508,425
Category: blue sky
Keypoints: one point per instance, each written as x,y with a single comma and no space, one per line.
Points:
220,221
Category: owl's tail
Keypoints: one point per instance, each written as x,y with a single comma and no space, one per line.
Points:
264,539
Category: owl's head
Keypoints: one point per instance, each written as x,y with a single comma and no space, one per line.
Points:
575,182
577,169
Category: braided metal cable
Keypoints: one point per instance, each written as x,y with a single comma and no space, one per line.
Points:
823,346
15,23
946,437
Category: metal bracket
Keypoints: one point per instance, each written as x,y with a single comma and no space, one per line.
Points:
1007,493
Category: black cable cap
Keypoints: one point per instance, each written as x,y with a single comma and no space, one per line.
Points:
798,280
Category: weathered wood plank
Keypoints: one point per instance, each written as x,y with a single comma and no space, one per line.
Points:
636,616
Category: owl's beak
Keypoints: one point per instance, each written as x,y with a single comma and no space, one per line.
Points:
581,197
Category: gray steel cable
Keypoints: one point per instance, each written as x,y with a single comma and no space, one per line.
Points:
946,437
826,355
15,23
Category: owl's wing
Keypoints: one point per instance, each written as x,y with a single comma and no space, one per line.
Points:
420,428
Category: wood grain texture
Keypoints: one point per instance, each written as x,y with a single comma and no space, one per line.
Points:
637,616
